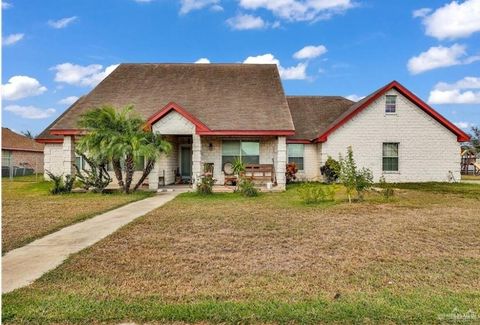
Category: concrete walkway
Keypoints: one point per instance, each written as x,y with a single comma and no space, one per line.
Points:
24,265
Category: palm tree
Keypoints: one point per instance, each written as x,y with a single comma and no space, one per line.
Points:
150,147
119,136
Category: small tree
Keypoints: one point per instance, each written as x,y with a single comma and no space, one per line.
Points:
353,179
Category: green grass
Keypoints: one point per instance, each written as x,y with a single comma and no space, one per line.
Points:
461,189
410,307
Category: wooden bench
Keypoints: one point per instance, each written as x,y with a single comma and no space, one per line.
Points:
260,172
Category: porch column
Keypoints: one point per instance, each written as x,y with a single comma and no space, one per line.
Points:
68,155
196,159
281,161
153,176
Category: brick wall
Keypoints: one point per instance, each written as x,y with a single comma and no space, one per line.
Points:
32,160
427,150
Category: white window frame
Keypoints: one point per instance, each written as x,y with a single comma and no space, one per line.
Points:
303,154
397,156
387,107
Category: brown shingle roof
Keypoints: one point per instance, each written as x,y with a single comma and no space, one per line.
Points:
15,141
313,114
222,96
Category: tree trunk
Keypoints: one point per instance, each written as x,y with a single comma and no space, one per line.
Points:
129,169
146,172
117,168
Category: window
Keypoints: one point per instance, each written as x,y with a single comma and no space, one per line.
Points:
391,104
295,155
390,157
248,151
80,162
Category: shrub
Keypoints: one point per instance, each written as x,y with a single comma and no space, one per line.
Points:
61,185
387,188
247,187
95,177
330,170
314,193
290,173
205,186
353,179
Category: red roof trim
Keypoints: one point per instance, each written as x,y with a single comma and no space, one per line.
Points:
461,136
304,141
247,132
49,140
26,150
199,126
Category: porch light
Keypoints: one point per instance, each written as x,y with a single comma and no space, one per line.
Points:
210,146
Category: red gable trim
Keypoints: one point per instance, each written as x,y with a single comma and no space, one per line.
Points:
49,140
461,136
199,126
247,132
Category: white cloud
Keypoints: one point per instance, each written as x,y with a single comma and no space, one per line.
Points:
310,52
297,72
62,23
354,97
243,22
20,87
203,60
419,13
299,10
143,1
464,91
30,112
454,20
464,125
12,39
74,74
68,100
189,5
437,57
6,5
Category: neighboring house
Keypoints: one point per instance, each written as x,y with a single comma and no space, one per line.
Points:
19,153
213,113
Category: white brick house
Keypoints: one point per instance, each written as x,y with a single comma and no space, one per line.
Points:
214,113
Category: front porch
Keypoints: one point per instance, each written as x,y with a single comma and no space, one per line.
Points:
194,155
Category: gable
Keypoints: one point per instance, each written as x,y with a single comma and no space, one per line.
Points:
173,123
358,107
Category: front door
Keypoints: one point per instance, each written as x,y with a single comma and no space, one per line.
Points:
186,161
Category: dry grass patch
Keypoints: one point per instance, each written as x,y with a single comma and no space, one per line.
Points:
277,259
30,212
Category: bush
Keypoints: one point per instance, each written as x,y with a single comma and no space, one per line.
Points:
205,186
353,179
247,187
387,188
330,170
95,177
314,193
61,186
290,173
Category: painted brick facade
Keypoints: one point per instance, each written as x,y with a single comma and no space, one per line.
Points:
427,150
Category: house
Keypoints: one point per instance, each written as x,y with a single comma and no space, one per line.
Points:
20,154
213,113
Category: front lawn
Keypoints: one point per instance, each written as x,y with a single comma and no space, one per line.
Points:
30,212
272,259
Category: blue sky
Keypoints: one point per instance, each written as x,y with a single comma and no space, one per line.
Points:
54,51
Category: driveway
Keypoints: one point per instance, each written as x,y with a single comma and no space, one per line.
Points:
24,265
